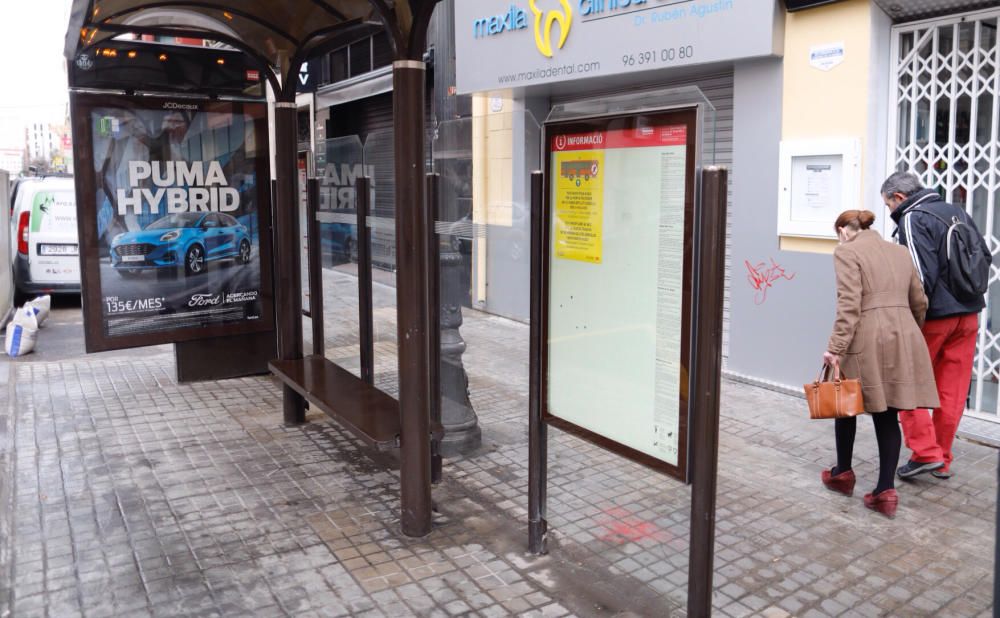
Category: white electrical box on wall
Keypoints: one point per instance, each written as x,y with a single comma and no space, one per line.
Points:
818,180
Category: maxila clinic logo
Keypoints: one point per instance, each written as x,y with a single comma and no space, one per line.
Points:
545,21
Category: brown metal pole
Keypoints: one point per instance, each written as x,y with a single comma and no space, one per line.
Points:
537,430
287,253
366,323
710,260
412,302
315,268
434,322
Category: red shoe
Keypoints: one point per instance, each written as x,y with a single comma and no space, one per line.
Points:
885,503
842,483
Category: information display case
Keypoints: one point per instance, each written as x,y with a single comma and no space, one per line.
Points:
617,312
818,180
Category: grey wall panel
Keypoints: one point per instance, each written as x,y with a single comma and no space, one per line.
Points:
508,247
780,339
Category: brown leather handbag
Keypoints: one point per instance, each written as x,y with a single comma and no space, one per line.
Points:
840,398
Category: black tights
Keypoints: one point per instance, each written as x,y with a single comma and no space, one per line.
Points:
889,443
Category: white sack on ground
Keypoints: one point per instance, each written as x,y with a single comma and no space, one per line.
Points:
41,305
21,333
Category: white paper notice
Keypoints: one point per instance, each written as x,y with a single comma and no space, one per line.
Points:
669,308
819,186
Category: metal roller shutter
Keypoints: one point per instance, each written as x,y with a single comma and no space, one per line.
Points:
371,120
361,117
718,88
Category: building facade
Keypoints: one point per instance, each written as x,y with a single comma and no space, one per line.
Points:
49,147
40,141
809,104
12,161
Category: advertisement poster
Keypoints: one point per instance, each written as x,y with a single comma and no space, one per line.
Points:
619,310
174,201
579,204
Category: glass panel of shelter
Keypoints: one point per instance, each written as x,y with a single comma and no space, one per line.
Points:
380,168
339,161
482,229
484,163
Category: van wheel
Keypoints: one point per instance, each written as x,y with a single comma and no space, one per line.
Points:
194,261
21,297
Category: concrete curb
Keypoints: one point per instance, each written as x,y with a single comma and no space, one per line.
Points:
8,396
979,438
971,430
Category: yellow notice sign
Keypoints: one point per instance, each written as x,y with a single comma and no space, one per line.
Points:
579,205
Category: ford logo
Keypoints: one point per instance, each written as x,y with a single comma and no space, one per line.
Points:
205,300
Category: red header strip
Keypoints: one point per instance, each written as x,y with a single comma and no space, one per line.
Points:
639,137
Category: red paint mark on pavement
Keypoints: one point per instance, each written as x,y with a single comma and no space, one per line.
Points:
762,278
620,526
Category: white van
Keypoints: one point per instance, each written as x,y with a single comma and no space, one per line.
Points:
44,246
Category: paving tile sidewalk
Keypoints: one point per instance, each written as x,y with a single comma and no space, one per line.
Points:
136,496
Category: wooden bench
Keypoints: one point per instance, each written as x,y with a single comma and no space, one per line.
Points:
364,410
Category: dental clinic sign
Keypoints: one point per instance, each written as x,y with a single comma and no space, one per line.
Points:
504,44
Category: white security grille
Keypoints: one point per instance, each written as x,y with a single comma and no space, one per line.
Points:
944,127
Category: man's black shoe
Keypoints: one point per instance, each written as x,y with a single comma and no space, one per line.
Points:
913,468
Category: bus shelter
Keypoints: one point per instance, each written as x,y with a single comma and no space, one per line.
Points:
278,37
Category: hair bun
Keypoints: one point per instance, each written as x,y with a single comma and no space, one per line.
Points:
866,218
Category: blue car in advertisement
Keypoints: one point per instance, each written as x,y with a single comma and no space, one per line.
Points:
188,239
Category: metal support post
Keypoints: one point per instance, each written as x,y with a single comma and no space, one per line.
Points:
434,325
315,256
287,253
412,302
366,324
537,430
710,255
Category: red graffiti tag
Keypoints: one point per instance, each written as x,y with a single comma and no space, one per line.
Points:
762,278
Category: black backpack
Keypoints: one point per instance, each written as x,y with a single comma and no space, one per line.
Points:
967,270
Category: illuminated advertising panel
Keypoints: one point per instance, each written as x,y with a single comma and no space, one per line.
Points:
174,214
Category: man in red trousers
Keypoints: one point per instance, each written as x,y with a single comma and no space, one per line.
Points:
926,225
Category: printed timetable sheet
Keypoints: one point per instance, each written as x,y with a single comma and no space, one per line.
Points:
616,286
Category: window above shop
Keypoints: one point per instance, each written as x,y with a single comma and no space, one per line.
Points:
356,59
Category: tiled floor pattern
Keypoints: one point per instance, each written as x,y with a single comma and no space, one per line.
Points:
138,496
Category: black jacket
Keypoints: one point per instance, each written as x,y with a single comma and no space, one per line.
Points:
925,236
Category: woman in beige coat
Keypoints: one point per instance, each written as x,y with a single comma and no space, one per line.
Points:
876,338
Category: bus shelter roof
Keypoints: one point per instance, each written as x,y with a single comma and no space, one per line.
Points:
280,34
